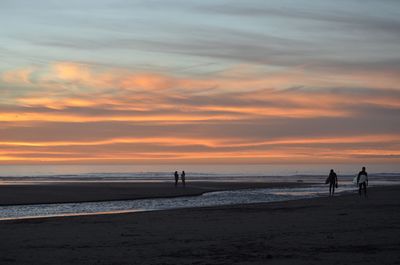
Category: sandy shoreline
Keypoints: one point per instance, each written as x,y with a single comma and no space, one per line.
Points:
341,230
44,193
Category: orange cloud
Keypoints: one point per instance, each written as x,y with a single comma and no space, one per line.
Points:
62,117
18,76
274,150
278,112
77,93
83,75
213,143
239,78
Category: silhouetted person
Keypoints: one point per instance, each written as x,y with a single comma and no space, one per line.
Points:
176,178
333,182
362,181
183,178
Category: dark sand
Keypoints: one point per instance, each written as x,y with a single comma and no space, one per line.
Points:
13,194
340,230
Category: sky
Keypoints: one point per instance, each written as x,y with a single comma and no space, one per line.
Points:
211,81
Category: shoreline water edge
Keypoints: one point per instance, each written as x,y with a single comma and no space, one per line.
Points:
61,199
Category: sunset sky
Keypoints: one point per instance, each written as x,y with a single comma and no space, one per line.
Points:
211,81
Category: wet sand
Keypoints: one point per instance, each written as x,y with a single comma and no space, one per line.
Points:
340,230
57,192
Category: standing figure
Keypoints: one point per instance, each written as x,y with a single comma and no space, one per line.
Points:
362,181
176,178
183,178
333,182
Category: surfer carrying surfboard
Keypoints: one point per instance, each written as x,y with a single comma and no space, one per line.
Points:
362,181
333,182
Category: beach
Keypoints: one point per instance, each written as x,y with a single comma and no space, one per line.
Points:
345,229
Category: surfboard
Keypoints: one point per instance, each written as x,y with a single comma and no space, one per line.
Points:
363,178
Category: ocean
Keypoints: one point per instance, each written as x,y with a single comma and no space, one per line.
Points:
193,172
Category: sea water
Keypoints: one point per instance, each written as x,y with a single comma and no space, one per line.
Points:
280,173
209,199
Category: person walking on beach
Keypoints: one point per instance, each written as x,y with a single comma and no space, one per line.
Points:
176,178
333,182
183,178
362,181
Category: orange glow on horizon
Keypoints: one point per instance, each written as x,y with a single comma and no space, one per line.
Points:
260,157
214,143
